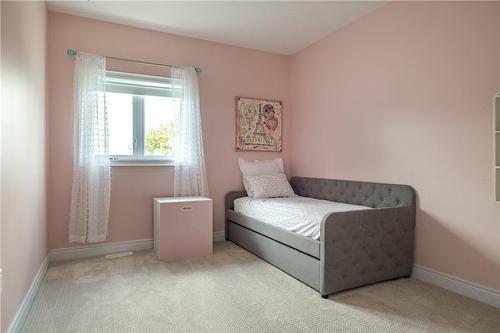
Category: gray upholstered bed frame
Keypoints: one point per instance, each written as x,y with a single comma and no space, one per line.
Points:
356,247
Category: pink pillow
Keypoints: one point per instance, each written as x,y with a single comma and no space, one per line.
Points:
261,167
267,186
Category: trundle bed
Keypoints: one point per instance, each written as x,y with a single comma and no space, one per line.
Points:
351,247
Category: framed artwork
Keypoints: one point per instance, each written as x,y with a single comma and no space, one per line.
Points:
258,124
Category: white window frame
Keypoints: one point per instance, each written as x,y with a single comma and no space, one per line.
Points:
139,86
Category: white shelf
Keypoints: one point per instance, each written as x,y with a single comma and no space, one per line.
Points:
496,144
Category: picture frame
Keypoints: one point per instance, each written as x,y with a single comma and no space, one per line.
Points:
259,124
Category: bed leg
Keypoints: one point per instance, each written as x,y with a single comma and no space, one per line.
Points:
324,296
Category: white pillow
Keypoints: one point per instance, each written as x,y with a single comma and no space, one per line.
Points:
267,186
261,167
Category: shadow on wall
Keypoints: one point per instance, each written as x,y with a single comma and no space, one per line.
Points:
434,233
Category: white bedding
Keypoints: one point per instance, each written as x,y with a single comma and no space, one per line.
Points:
297,214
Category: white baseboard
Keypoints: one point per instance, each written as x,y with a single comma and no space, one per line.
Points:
17,323
94,250
87,251
469,289
219,236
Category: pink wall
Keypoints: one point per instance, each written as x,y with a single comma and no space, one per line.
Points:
23,140
404,95
227,72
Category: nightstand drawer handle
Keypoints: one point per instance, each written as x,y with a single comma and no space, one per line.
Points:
187,208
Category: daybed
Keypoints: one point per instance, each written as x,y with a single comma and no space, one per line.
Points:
355,248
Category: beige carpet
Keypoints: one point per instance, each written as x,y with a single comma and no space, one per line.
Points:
234,291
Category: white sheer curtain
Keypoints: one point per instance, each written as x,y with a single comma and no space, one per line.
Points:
90,195
190,177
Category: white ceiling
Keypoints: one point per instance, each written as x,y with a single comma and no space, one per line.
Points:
283,27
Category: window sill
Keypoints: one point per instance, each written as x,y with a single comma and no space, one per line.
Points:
143,163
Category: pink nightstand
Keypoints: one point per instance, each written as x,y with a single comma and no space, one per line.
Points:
182,227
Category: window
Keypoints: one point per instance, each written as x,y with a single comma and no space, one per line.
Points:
141,117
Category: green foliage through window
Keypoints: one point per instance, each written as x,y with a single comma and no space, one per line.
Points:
159,141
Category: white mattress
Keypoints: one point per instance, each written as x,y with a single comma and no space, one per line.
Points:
297,214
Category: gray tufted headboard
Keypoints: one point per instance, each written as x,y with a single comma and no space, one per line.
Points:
373,195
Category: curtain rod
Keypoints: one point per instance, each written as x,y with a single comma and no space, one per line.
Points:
72,52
